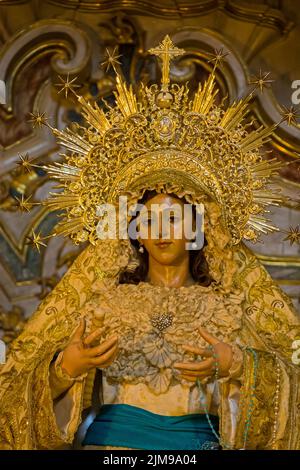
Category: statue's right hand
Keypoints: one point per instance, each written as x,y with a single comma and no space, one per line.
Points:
79,356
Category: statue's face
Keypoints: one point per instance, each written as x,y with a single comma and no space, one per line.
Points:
162,229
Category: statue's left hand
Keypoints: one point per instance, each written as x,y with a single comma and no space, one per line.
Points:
192,371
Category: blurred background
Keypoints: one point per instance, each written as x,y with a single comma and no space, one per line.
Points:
41,41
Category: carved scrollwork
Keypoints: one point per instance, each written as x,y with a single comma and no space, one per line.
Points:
68,45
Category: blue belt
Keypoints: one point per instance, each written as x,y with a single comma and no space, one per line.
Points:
133,427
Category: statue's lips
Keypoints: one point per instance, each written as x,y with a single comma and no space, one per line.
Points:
163,244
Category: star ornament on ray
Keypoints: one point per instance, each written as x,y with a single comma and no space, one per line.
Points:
289,115
36,240
23,203
38,119
25,163
261,81
218,57
293,235
67,85
111,60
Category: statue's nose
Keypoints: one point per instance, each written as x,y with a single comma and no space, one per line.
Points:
164,226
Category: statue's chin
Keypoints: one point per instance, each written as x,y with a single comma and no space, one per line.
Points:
166,257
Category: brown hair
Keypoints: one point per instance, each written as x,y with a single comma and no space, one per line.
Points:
197,262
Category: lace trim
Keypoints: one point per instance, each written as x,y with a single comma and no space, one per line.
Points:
60,381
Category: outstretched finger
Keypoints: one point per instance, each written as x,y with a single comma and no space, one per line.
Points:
194,373
200,351
103,347
192,366
92,336
107,363
79,332
98,360
208,337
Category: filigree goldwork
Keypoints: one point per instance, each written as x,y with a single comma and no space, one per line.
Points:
197,140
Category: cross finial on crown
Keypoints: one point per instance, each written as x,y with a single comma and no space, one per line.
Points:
166,51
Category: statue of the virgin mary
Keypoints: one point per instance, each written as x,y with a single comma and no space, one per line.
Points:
157,341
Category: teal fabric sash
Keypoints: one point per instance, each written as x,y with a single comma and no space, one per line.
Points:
130,426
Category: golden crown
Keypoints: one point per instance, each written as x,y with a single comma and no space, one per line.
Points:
160,134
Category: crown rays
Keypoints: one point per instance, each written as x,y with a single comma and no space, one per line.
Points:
163,119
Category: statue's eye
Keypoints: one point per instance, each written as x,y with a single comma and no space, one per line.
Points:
144,222
147,221
174,219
